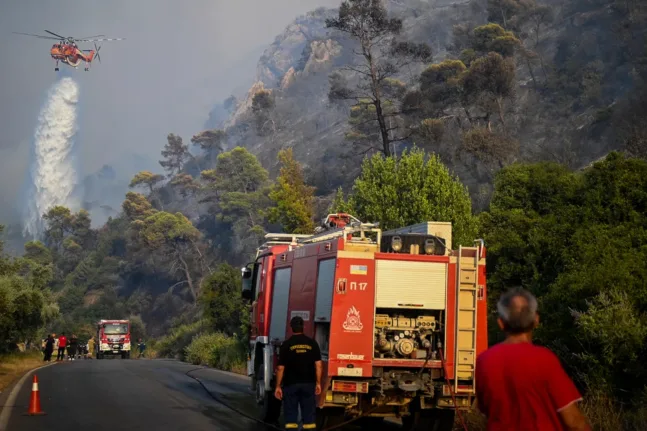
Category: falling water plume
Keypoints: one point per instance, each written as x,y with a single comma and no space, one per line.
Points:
53,176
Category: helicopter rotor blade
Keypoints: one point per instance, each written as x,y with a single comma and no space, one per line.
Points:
100,40
90,37
57,35
37,35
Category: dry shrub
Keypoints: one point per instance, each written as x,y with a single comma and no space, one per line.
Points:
491,148
14,365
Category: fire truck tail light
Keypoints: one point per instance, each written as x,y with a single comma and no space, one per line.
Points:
342,386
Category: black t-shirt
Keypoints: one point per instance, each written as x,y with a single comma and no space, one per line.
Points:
298,355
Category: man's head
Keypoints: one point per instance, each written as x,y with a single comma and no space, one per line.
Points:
517,312
296,323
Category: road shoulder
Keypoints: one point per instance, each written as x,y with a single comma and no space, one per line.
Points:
9,395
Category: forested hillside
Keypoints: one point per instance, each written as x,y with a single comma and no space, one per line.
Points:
486,115
499,81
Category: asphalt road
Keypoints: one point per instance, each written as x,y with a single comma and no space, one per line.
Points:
132,395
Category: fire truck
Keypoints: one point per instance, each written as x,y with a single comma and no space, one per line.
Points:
113,338
399,315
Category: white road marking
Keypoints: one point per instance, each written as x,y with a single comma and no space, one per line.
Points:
5,414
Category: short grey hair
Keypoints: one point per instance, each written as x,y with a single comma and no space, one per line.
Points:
517,319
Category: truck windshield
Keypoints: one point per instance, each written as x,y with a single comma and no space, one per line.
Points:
115,328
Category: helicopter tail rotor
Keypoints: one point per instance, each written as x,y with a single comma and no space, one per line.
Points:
96,52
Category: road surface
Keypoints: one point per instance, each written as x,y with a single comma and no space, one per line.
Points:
133,395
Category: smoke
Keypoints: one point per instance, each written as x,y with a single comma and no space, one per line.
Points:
53,176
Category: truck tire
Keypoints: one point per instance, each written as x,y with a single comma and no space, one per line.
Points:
99,356
429,420
270,407
125,355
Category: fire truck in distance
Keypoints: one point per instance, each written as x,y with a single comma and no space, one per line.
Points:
113,338
400,317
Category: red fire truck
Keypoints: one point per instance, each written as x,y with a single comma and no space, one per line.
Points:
113,338
400,317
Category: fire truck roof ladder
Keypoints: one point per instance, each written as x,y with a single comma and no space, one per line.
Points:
466,307
280,238
362,229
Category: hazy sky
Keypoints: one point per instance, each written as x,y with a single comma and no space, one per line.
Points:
179,59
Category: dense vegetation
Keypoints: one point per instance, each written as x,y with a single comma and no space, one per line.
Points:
577,239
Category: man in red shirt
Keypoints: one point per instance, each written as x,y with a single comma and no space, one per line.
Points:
521,386
62,343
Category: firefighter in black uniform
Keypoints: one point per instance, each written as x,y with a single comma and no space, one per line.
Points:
299,372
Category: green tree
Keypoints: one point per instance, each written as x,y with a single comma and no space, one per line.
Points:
578,241
381,57
340,204
211,142
238,189
220,298
413,189
146,179
185,184
263,104
137,330
175,154
174,237
59,224
489,81
137,207
37,252
494,38
292,197
22,299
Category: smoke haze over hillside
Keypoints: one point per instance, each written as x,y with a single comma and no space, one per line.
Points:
179,59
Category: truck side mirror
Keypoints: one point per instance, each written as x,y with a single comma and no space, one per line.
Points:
248,287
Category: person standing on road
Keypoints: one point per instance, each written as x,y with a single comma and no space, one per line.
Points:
299,371
73,345
90,347
141,346
521,386
49,348
62,344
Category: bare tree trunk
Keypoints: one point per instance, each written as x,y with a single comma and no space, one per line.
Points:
385,135
499,104
386,147
532,73
505,22
189,280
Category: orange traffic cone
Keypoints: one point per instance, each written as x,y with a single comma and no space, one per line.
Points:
34,403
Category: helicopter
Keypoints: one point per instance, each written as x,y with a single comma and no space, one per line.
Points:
67,51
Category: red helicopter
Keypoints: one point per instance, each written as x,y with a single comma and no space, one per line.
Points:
68,52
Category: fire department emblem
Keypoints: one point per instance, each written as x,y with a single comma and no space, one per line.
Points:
353,322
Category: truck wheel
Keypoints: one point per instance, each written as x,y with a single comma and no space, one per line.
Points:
329,417
429,420
270,407
99,356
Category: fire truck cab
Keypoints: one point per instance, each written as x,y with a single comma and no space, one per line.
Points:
113,338
400,317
